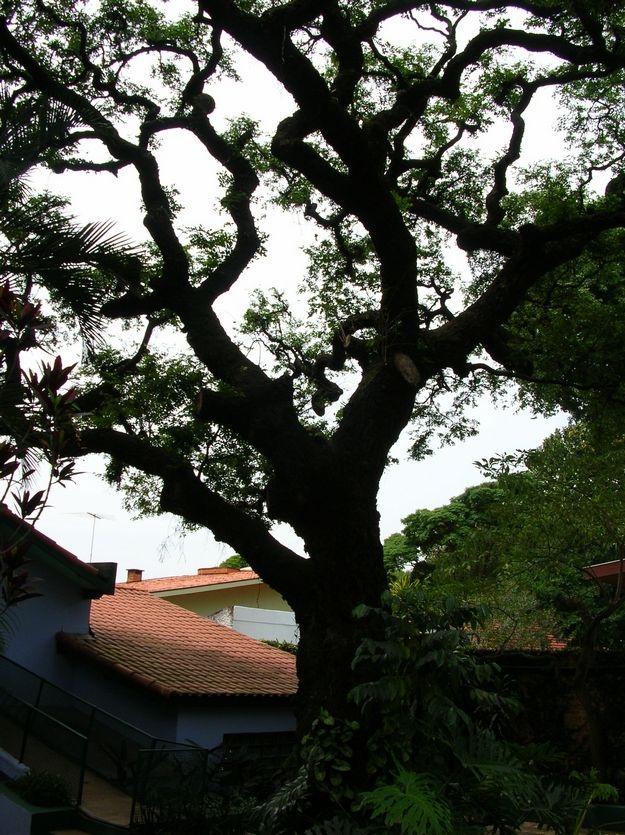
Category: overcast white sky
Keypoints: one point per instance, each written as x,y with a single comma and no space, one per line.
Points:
157,546
88,518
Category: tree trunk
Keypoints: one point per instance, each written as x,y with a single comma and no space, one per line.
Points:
339,523
330,636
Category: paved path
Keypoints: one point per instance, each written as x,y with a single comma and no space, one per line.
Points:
100,799
105,801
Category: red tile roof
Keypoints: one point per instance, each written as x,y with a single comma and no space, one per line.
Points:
495,635
190,581
177,653
607,572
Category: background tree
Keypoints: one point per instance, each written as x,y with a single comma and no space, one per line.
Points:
522,543
234,561
449,529
562,513
551,514
397,554
404,144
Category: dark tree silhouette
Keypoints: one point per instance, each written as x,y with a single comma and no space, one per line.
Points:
404,144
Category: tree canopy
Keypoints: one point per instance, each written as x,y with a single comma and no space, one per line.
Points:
233,561
523,543
404,150
449,527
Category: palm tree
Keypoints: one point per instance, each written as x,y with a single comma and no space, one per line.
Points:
44,251
40,244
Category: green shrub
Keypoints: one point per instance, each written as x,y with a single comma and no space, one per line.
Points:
175,813
41,788
425,742
285,646
412,802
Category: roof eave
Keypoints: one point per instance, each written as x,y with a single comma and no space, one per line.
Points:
181,590
95,579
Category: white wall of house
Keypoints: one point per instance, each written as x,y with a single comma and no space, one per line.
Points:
265,624
136,705
177,721
208,600
31,626
205,725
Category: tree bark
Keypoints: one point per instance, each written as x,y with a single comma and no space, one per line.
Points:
347,570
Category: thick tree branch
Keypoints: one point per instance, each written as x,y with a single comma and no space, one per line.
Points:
237,201
413,102
541,251
348,49
494,211
185,495
392,8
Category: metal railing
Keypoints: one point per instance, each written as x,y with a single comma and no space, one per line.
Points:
174,776
41,728
41,722
38,718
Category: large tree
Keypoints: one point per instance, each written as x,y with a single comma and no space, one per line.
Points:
404,148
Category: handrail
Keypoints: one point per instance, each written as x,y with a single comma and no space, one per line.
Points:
89,705
52,719
35,709
174,746
126,731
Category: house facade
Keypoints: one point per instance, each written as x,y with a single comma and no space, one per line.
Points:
177,675
233,597
170,672
65,588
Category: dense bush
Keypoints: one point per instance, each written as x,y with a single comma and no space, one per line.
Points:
41,788
423,753
436,762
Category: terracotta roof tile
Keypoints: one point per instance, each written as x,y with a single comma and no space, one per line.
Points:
189,581
496,635
178,653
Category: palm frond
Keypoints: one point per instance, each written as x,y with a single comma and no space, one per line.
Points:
28,131
78,265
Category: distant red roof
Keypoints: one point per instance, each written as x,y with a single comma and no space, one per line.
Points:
194,581
529,639
177,653
607,572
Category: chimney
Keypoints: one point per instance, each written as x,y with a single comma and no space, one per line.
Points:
134,575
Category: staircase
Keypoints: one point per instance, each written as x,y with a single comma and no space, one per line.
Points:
49,729
86,825
113,768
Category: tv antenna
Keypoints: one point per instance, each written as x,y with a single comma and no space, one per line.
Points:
94,518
